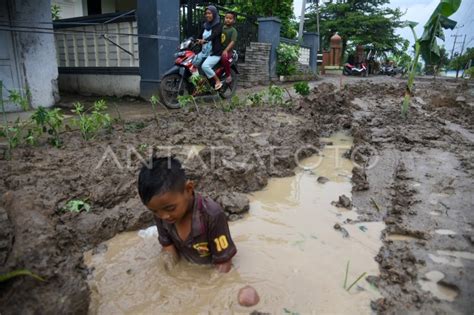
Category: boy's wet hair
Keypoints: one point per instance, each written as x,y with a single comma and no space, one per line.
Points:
234,15
165,175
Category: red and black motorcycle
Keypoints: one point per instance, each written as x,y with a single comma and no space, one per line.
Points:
177,80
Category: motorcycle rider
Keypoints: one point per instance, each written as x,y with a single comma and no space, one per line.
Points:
210,40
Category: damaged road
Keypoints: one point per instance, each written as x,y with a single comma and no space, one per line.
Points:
416,176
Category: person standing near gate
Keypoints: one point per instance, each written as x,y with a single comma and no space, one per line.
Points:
211,45
229,38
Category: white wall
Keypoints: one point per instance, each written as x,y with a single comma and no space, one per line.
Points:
37,52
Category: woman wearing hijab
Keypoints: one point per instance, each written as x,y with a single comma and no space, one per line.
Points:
211,45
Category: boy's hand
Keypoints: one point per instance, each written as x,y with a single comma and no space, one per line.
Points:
224,267
225,54
169,257
201,41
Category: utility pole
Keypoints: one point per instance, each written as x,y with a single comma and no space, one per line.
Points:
303,10
462,50
454,45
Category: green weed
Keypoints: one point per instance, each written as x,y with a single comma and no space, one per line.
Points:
46,121
275,95
91,124
77,206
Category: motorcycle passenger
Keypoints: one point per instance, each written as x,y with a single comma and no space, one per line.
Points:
211,45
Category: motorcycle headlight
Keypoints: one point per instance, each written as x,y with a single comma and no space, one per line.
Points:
180,54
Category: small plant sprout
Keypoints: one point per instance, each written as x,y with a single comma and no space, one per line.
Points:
77,206
91,124
18,273
186,100
14,132
353,283
154,102
275,95
302,88
256,99
427,45
46,121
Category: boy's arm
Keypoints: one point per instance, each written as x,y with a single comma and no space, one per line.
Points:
165,239
221,245
171,250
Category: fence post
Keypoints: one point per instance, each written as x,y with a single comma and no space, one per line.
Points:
312,39
156,17
269,32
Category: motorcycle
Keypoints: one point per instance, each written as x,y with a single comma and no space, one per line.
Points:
178,80
350,69
388,70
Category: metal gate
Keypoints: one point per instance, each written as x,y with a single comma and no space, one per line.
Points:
192,19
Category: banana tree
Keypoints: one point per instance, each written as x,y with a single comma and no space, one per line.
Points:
427,44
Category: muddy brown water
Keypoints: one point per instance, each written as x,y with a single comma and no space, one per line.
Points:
287,249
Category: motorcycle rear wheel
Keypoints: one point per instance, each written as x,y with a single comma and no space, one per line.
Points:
228,90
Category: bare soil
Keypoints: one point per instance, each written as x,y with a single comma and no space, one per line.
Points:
422,182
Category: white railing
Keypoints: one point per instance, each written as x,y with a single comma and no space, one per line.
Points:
87,46
304,56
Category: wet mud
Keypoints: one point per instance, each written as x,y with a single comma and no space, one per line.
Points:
421,187
288,252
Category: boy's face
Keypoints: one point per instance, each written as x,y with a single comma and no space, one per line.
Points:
229,19
172,206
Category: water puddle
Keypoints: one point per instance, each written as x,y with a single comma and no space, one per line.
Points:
288,250
431,283
445,232
401,237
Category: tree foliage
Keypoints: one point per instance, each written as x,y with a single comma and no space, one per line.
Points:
360,22
460,62
282,9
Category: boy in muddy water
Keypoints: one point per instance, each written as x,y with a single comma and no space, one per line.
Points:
189,225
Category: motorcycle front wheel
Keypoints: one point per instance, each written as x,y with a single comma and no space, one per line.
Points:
172,86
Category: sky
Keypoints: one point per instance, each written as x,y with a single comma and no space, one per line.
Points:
420,11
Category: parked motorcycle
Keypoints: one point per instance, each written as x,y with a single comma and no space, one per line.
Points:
350,69
177,80
388,70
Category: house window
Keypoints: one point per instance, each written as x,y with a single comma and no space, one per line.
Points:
94,7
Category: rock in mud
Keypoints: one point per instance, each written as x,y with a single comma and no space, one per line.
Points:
234,203
248,296
359,179
344,232
343,202
323,180
6,236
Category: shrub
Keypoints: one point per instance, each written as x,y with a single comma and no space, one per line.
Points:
302,88
287,59
275,95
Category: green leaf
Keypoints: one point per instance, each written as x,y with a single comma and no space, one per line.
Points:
438,21
409,24
18,273
76,206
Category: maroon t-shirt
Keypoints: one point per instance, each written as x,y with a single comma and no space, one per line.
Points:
209,240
